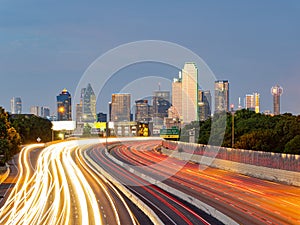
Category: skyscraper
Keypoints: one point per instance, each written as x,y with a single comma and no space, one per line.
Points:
276,91
88,104
16,105
252,102
189,93
249,102
45,112
177,96
64,109
142,110
35,110
161,104
204,104
120,107
221,95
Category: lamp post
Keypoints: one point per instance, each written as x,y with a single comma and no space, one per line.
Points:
232,125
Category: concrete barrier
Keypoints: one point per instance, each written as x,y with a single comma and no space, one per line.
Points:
199,204
4,176
140,204
271,174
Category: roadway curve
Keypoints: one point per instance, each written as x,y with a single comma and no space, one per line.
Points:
60,188
170,209
245,199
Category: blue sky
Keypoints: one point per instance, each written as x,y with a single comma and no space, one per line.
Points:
46,46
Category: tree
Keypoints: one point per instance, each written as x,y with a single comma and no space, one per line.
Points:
30,127
9,138
293,146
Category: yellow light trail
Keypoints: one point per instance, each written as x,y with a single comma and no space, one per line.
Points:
57,192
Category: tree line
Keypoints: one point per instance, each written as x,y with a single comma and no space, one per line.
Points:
252,131
20,129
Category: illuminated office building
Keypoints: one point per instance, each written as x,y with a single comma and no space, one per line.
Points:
120,107
64,106
276,91
189,93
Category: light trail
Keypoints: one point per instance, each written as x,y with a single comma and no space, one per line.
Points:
56,191
263,201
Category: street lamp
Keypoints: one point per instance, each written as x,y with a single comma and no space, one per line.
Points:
232,125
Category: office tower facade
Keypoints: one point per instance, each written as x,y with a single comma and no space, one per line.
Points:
189,93
221,96
88,104
177,97
45,112
120,107
161,104
16,105
257,102
64,106
250,102
142,109
204,104
276,91
35,110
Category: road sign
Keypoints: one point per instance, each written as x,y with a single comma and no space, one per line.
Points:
169,133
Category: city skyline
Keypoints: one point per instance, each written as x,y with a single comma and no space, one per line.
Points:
39,52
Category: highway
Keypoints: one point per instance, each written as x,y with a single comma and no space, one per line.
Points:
61,184
170,209
59,188
245,199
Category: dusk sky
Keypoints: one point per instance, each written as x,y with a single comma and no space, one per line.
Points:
46,46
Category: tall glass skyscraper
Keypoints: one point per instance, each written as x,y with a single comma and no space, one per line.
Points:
189,93
64,106
221,95
89,105
16,105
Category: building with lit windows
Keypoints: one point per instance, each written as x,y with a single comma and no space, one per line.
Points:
16,105
221,96
252,102
276,91
177,97
189,93
142,110
89,105
120,107
64,106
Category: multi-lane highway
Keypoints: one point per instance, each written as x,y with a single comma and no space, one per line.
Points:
170,209
78,182
245,199
61,189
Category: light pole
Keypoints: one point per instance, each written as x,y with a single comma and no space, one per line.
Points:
232,125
